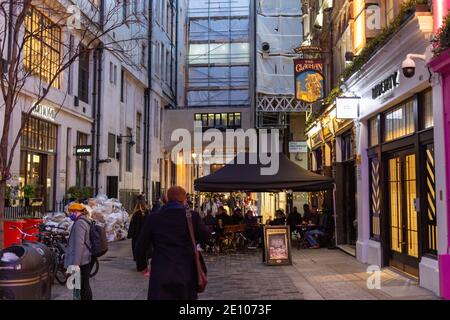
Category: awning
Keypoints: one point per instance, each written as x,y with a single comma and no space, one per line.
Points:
248,177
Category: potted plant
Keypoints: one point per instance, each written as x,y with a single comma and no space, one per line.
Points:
29,192
441,42
77,193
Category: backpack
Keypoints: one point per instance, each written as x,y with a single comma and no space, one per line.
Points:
97,235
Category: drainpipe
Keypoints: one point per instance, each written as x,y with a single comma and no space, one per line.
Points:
176,52
147,151
94,123
98,116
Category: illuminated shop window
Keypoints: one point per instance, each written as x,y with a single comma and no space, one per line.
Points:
42,47
399,122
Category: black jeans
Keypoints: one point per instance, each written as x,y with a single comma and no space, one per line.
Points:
85,271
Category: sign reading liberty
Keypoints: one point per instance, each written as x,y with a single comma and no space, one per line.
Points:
309,80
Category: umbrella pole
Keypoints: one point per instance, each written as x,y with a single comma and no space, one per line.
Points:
334,214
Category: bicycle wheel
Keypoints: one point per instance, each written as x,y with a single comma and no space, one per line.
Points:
95,267
61,276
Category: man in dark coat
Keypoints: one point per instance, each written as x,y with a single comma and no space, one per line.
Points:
172,272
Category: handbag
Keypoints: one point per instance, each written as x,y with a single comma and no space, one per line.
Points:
200,266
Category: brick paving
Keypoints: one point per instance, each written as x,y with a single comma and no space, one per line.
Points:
314,274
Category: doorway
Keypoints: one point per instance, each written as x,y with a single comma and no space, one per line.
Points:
112,187
402,212
349,212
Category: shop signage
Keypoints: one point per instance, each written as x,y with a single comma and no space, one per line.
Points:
308,49
309,80
44,112
298,147
347,108
83,150
277,244
385,86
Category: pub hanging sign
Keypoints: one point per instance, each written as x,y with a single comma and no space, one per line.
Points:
309,80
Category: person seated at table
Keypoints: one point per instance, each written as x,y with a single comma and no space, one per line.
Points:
237,217
306,213
313,234
251,229
222,218
209,220
294,219
312,216
279,220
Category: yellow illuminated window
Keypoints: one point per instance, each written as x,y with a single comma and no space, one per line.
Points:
42,47
359,30
395,194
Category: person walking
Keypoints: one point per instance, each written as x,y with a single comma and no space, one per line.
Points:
173,275
78,256
137,222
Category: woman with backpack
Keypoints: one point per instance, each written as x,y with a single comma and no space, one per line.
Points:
78,257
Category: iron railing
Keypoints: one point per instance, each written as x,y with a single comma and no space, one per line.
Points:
21,211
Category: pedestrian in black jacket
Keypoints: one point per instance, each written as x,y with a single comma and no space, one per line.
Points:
137,222
172,273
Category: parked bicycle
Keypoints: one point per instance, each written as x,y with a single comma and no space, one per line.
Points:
56,241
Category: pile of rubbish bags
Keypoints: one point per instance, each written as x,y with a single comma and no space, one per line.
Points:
108,213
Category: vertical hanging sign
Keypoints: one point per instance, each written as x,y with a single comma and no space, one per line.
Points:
309,80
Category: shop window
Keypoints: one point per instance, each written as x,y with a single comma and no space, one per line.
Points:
427,109
399,122
39,135
42,47
111,145
81,161
375,199
374,125
347,147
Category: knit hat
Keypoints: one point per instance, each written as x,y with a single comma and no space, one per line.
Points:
76,207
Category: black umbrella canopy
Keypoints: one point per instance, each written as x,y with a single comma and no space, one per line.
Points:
248,177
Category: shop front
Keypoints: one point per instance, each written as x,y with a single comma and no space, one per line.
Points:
332,143
399,187
345,176
402,182
38,148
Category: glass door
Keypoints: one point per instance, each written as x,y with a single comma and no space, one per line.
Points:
403,217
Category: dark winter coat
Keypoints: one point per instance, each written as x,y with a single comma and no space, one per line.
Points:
136,225
172,272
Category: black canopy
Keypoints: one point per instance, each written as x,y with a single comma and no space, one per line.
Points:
248,177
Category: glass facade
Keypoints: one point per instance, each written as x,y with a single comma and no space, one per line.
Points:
218,54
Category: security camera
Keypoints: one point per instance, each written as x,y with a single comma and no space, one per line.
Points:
132,143
409,67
